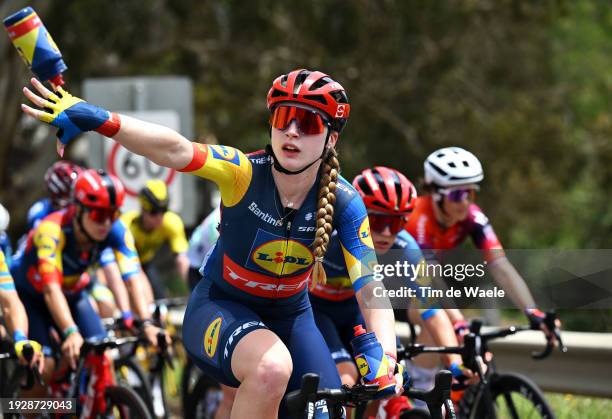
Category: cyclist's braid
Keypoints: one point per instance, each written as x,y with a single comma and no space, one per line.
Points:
325,213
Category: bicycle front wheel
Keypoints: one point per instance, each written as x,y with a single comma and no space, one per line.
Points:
515,397
124,403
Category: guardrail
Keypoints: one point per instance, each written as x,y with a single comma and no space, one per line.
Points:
585,369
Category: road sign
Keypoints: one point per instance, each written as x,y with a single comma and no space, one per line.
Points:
134,170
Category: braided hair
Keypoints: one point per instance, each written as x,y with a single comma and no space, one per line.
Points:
325,212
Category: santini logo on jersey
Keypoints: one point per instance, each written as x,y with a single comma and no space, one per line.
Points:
264,216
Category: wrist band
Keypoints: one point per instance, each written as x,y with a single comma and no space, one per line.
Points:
111,126
70,330
127,314
147,322
18,336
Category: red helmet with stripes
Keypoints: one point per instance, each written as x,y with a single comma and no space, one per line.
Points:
386,190
59,179
97,189
315,89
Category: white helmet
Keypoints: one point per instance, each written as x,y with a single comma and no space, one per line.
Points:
5,218
452,166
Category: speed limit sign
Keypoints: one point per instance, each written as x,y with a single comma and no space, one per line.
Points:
134,170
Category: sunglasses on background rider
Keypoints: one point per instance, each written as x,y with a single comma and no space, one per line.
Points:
379,222
156,211
308,122
101,215
459,194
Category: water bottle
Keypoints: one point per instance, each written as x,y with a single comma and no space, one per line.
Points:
372,361
35,45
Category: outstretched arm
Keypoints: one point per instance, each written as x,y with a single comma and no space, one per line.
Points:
73,116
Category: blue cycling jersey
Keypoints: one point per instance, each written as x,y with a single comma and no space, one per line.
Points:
39,210
264,250
338,288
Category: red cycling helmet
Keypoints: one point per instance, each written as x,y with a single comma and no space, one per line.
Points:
315,89
59,179
386,190
97,189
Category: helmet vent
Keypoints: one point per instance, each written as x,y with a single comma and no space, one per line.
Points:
320,83
277,93
299,80
465,163
316,98
440,155
339,96
284,81
437,169
453,165
91,197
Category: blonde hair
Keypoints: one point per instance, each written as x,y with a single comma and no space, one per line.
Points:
325,213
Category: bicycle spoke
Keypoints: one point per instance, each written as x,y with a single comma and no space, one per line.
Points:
511,406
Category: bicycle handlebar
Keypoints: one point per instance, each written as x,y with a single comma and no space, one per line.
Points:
475,344
299,401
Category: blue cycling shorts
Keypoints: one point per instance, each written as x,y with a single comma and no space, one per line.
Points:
336,320
215,322
40,321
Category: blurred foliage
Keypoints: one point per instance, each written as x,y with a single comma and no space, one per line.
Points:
524,85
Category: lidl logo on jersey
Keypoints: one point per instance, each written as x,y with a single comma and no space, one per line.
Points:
282,257
221,152
211,337
364,233
362,365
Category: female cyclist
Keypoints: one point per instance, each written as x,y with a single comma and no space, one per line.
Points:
444,218
389,198
249,322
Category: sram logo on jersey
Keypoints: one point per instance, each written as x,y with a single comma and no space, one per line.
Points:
229,154
282,257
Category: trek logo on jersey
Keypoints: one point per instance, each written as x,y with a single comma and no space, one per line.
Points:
282,257
364,233
211,337
221,152
362,365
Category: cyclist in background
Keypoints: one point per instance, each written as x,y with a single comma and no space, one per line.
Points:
5,241
201,242
389,198
447,215
153,226
59,178
51,274
15,317
249,322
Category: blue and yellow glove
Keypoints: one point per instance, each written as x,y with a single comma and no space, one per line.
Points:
74,116
377,371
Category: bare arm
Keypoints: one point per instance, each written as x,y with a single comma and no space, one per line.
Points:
381,321
13,311
138,295
117,286
58,306
157,143
511,281
182,265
